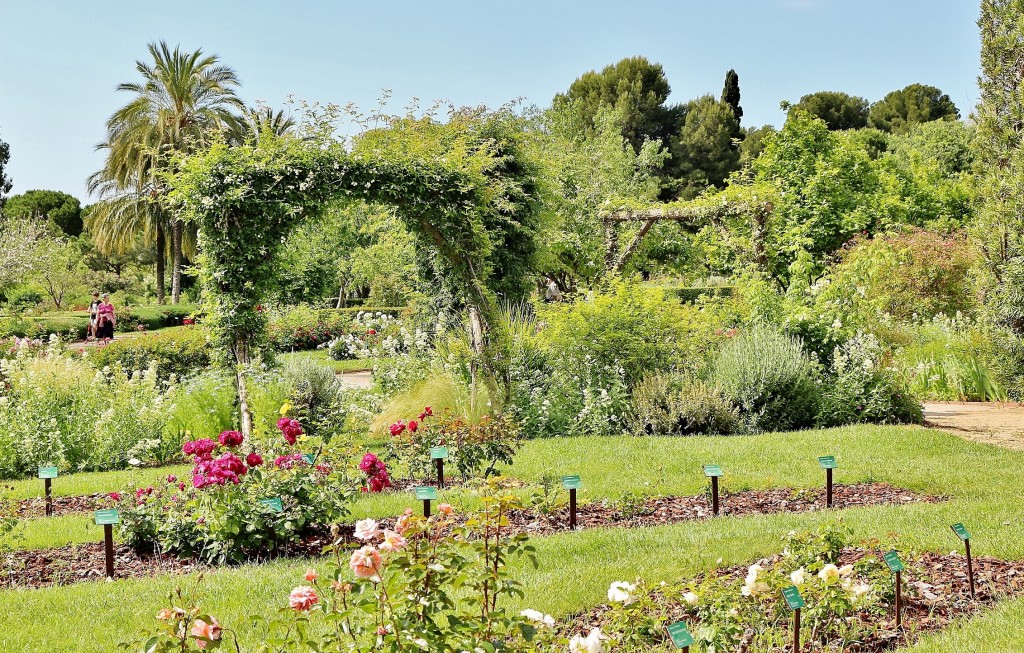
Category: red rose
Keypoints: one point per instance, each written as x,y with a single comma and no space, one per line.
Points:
413,425
254,460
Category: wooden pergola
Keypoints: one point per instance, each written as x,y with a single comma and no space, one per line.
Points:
691,218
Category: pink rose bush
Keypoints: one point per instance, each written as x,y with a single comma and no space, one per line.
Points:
218,515
377,479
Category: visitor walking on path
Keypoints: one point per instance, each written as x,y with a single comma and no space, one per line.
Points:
106,320
94,315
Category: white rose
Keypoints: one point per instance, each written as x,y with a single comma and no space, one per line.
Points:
619,592
538,617
798,577
690,598
592,643
829,574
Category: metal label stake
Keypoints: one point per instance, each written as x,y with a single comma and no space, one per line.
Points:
572,483
713,472
965,537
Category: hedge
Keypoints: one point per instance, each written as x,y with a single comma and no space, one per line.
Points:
179,351
72,325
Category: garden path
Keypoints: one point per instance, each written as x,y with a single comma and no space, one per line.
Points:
1001,424
360,379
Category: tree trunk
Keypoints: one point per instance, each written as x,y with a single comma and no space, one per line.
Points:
177,229
240,352
161,253
620,263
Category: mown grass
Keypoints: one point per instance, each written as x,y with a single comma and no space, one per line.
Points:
321,356
982,482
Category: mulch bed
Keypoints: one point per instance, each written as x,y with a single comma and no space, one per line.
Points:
36,507
658,511
935,593
75,563
83,562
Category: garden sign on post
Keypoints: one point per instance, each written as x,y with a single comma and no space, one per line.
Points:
572,483
965,537
828,463
892,560
713,472
48,474
426,495
107,519
438,454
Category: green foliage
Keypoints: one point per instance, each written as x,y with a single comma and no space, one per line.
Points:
916,103
731,94
475,447
60,210
663,404
916,274
178,352
703,153
753,142
583,167
228,523
770,379
840,111
5,180
64,412
634,86
858,389
301,327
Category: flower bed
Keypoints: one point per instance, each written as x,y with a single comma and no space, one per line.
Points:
848,591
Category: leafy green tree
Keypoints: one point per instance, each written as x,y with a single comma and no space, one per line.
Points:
753,142
634,85
5,181
912,104
582,170
731,94
703,152
60,209
184,99
838,110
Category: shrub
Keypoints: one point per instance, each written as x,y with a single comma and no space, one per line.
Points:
302,327
61,411
770,379
474,448
377,335
218,516
180,352
67,327
859,390
129,318
665,405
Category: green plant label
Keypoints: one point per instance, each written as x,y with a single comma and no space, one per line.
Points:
274,504
680,634
892,559
310,458
827,462
105,517
47,472
438,453
427,493
961,532
793,598
571,482
713,470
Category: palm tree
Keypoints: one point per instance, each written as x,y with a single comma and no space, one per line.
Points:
254,122
183,102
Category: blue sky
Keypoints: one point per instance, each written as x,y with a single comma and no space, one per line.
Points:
60,60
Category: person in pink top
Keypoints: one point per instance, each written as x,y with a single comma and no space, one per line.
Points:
106,319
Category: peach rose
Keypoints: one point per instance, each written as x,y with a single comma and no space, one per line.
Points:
310,575
206,632
165,615
445,509
303,598
393,541
402,524
365,563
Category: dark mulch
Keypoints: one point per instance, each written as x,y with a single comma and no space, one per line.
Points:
936,592
82,562
670,510
70,564
36,507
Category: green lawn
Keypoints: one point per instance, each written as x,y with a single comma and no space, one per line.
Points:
321,356
983,484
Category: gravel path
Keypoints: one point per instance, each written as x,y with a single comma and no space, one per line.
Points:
1001,424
